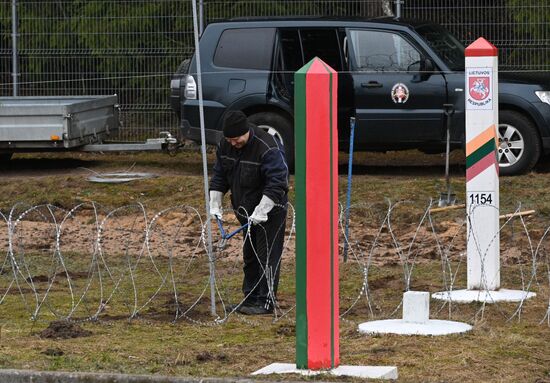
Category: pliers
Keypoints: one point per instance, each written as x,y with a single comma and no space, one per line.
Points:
225,236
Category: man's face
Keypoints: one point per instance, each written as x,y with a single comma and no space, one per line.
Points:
238,142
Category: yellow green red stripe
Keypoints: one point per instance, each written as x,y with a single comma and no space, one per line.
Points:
483,164
481,153
480,140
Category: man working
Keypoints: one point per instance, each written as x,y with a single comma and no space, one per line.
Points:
251,163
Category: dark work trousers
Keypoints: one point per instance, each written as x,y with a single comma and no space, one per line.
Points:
262,252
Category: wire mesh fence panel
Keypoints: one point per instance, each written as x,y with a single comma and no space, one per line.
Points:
132,47
5,49
257,8
519,29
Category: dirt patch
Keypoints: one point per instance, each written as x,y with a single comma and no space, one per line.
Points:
38,278
64,330
111,318
207,356
53,352
61,274
120,234
286,330
177,235
393,281
189,309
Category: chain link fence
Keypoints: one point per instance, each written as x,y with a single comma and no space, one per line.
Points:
132,47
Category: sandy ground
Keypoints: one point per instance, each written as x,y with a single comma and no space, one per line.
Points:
179,233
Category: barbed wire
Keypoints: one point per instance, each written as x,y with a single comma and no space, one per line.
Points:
89,263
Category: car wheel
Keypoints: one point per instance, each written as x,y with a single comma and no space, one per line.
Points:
280,127
5,157
519,146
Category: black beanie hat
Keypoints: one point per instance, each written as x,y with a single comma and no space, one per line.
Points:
235,124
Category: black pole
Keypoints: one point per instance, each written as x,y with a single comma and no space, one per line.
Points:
449,111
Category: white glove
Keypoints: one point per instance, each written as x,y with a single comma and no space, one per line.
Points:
260,212
216,204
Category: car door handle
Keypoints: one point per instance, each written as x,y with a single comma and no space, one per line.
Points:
371,84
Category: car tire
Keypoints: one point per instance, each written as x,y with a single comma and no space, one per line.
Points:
519,146
5,157
279,126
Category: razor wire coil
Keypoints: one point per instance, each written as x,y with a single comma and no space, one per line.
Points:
87,262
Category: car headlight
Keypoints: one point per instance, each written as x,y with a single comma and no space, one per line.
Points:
544,96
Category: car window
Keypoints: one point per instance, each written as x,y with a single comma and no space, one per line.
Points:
383,51
249,48
444,44
322,43
291,51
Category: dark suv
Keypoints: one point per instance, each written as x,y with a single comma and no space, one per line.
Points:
394,76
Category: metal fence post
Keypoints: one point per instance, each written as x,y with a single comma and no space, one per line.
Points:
201,17
348,194
398,8
204,164
14,73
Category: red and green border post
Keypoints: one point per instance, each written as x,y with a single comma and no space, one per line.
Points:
316,183
316,176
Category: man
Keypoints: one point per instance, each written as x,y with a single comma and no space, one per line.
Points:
251,164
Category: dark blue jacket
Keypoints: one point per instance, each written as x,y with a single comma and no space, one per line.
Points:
257,168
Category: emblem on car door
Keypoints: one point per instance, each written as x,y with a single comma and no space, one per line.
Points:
400,93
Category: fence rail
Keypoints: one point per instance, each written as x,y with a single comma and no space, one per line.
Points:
132,47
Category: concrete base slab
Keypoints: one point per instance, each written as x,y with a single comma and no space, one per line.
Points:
468,296
399,326
369,372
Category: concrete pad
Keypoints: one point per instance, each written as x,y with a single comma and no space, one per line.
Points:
368,372
402,327
469,296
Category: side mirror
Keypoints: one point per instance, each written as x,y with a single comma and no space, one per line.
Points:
427,68
428,65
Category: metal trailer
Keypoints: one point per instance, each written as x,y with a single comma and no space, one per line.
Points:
61,123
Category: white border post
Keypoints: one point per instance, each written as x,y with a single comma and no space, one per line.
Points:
482,187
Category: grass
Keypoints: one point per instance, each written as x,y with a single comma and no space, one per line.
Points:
498,349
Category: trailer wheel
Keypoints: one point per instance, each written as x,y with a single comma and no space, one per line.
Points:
5,157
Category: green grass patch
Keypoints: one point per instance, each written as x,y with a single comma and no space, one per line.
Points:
152,342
